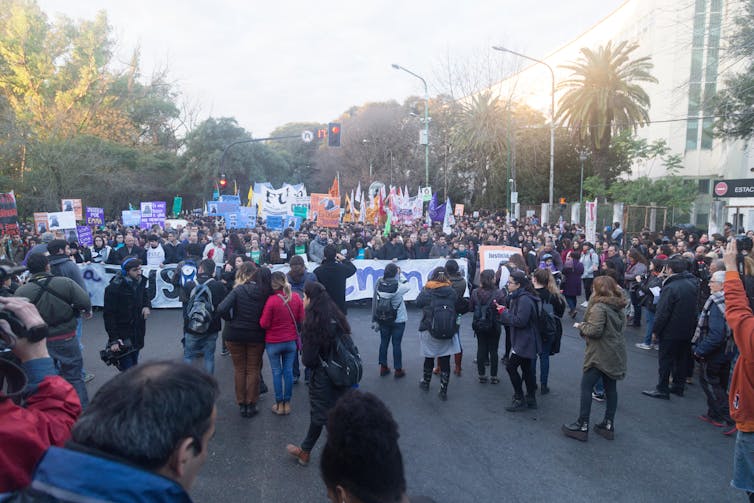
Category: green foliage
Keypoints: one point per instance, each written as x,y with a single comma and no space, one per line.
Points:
671,191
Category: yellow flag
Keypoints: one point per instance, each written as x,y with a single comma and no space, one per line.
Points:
251,195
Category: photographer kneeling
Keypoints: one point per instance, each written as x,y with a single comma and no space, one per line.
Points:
37,408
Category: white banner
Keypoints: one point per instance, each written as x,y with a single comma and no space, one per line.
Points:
279,202
359,286
590,221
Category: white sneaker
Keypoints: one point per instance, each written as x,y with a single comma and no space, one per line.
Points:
641,345
656,347
585,304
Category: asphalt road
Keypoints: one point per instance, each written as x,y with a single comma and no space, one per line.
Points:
468,449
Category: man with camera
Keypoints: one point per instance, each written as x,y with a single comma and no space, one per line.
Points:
144,437
60,301
50,405
125,311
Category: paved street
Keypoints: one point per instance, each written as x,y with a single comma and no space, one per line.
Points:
468,449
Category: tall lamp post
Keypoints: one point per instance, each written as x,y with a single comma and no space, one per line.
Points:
552,114
424,140
583,155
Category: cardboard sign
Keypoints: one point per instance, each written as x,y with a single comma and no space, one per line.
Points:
327,209
458,210
73,205
84,234
61,220
490,257
40,222
8,213
131,218
95,216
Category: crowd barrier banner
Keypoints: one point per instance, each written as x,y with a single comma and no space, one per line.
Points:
359,286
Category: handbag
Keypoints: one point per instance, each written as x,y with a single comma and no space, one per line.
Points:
295,323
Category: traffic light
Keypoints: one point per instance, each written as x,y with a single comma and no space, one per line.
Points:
333,134
321,133
222,184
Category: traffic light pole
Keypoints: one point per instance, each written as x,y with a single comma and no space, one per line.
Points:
251,140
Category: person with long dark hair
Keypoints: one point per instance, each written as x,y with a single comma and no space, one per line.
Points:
521,317
244,337
604,357
545,286
323,323
486,325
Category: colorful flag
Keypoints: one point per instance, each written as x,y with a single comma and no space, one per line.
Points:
335,188
436,211
250,196
448,220
388,225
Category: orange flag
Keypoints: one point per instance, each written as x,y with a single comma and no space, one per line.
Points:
335,189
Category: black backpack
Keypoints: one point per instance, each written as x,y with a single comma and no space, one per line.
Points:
200,310
443,324
547,322
384,311
343,362
485,317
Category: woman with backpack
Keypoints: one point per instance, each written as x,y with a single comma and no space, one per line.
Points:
438,332
486,325
282,314
243,335
604,357
521,317
553,306
389,313
323,324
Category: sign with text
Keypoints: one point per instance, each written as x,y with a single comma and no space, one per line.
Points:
490,257
95,216
40,222
458,210
327,210
61,220
590,221
84,234
8,213
153,213
743,187
73,205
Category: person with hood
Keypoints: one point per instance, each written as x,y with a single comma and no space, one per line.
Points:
126,309
604,358
486,324
437,291
317,247
391,322
522,317
333,273
675,322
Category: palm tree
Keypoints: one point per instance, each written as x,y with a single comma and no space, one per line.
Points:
603,98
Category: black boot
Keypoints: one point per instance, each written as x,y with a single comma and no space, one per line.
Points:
517,405
606,429
444,380
531,401
426,378
578,430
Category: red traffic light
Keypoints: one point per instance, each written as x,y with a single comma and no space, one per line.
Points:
335,129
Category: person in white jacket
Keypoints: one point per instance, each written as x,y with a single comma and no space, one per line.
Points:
392,289
591,262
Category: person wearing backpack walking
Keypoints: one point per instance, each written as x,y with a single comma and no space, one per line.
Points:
604,356
486,324
552,308
283,313
438,331
713,348
324,325
390,315
522,318
201,324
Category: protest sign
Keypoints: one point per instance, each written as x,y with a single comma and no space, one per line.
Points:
177,204
8,213
153,213
73,205
95,216
131,218
84,235
274,223
590,221
40,222
61,220
300,211
491,256
458,210
327,210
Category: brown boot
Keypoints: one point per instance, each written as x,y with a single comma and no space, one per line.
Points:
297,452
457,358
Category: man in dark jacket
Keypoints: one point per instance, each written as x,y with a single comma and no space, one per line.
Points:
333,272
395,249
424,246
616,262
129,249
125,312
675,321
197,345
174,249
60,301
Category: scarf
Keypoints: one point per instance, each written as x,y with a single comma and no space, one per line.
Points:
702,324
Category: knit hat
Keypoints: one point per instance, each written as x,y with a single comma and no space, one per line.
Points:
128,264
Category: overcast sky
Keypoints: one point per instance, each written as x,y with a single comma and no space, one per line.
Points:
270,63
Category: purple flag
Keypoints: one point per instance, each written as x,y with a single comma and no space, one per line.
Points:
436,211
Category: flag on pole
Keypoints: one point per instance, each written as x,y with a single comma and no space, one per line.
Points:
448,220
335,189
250,196
363,211
388,224
358,193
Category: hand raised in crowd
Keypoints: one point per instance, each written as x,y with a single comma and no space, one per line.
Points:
730,255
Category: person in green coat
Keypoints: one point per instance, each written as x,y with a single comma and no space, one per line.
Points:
605,355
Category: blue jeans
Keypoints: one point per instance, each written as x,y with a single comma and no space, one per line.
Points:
129,361
68,362
650,326
743,462
195,346
281,355
79,326
544,363
571,301
392,332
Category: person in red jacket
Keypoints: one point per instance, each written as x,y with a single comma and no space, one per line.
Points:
282,314
740,319
51,405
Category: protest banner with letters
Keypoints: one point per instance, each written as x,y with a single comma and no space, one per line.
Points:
73,205
326,210
590,221
491,256
272,201
95,216
84,235
163,294
8,214
131,218
60,220
153,213
40,222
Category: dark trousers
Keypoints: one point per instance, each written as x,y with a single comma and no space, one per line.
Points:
673,360
527,375
66,355
312,435
636,302
443,362
713,378
588,380
587,287
507,342
486,352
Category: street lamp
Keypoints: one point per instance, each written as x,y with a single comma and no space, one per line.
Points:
424,140
583,155
552,114
511,190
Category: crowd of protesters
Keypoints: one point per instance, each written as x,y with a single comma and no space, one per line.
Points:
658,278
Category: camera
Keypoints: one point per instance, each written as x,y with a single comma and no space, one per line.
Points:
110,357
744,244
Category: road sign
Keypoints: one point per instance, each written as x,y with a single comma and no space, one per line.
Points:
743,187
307,136
514,197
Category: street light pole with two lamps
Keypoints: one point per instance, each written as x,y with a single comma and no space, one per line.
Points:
425,139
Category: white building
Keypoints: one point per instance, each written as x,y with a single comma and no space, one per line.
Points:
686,40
